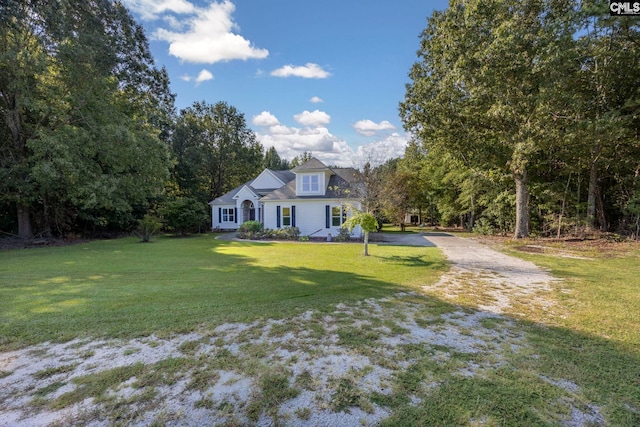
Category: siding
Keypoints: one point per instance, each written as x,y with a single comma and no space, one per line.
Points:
310,216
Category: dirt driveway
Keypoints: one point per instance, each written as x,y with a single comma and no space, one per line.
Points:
501,283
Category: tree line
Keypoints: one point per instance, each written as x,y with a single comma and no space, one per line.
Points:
525,117
90,140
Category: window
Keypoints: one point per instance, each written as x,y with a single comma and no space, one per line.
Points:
338,216
286,217
310,183
228,215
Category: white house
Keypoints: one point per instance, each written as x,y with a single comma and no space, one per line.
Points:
313,197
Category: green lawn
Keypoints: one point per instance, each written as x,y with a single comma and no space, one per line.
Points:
582,356
123,288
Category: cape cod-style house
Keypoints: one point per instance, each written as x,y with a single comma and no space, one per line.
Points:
313,197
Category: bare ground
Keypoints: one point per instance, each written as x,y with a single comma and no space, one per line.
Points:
332,363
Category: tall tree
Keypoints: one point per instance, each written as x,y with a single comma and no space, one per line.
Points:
273,161
606,98
481,86
77,105
215,150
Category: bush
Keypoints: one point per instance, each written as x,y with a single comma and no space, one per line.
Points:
251,230
287,233
343,236
184,215
147,227
254,230
483,226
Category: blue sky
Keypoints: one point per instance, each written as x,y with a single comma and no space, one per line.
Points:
324,77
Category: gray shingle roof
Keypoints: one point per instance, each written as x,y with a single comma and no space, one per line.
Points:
344,184
228,198
312,164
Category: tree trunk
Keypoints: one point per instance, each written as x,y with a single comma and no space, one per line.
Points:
522,205
24,222
366,243
591,198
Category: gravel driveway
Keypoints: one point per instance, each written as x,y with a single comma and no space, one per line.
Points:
501,283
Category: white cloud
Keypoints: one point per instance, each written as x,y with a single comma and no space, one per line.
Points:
308,71
265,119
152,9
203,76
388,148
369,128
330,149
315,118
208,37
316,100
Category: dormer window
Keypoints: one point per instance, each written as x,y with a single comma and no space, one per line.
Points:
310,183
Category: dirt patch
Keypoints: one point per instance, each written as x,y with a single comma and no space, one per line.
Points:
332,365
318,368
490,280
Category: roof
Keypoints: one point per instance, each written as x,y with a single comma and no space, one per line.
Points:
312,164
228,198
284,176
342,185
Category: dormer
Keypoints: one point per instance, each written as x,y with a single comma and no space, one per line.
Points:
312,178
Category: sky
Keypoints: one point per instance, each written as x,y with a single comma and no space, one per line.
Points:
322,77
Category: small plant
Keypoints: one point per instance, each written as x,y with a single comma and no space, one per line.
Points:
303,413
147,227
343,236
303,238
483,226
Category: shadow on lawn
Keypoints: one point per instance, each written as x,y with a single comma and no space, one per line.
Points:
589,379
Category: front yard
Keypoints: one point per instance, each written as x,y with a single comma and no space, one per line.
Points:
197,331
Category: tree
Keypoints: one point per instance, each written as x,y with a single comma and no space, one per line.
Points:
273,161
78,97
215,150
184,215
367,221
482,85
301,158
605,105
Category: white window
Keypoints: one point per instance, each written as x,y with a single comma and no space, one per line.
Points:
228,215
338,216
310,183
286,217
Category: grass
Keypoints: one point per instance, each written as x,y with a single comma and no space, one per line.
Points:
122,288
536,370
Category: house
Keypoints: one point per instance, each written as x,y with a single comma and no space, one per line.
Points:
313,197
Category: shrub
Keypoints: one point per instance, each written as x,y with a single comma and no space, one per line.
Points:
250,230
147,227
483,226
343,236
184,215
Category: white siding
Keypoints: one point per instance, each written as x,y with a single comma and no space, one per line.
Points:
217,220
266,180
310,216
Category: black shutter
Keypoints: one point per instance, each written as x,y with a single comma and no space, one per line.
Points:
235,214
293,216
278,216
327,211
220,215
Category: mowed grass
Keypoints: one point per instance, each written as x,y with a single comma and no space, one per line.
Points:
123,288
581,365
